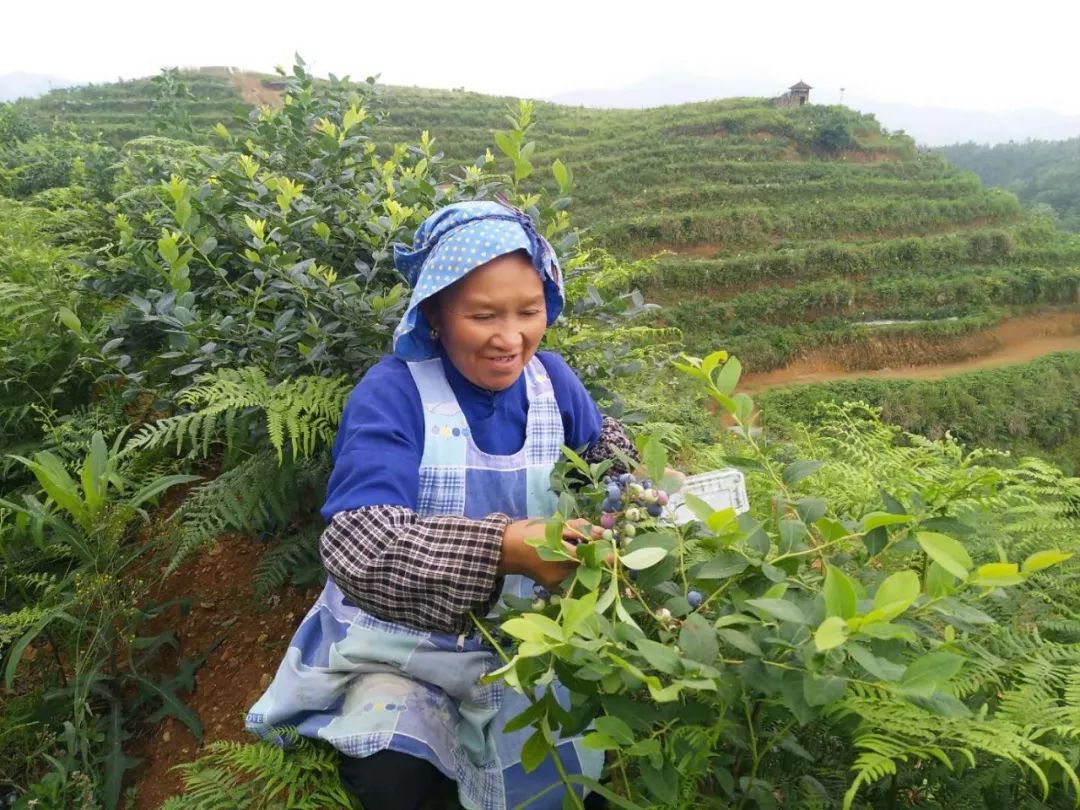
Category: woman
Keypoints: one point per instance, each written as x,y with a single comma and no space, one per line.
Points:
443,454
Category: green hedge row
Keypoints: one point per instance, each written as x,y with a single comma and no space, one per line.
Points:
984,246
750,227
1028,408
955,292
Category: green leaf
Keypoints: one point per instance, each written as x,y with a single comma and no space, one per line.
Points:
698,639
997,575
561,175
1044,559
796,471
614,728
741,641
642,558
841,596
939,582
534,751
881,668
58,484
832,633
598,742
946,552
723,565
886,630
533,627
702,511
927,674
506,144
577,461
821,690
575,611
654,456
660,656
70,320
728,376
875,520
780,609
896,594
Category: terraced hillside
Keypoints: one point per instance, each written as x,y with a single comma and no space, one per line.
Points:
783,232
787,231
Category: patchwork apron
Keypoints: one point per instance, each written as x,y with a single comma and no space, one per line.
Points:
366,685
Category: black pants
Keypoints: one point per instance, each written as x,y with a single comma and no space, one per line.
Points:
391,780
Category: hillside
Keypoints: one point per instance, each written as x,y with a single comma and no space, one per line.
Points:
782,231
785,231
1038,172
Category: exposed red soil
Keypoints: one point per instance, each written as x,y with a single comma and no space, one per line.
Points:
254,92
1018,340
248,639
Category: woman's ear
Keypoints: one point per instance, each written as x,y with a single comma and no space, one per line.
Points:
430,308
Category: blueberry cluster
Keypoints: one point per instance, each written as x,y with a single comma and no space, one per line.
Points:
627,503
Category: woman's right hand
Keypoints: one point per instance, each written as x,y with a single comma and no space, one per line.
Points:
518,557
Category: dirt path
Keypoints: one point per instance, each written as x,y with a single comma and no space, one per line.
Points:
1015,341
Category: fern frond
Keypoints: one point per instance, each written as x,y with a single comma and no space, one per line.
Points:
294,557
301,413
261,776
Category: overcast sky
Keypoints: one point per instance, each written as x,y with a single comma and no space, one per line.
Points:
976,55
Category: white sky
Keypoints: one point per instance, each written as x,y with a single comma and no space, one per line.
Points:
957,53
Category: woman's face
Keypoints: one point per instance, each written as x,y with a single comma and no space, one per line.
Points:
491,321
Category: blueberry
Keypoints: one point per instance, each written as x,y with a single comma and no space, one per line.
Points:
647,484
694,598
654,509
610,505
633,575
540,592
613,492
626,478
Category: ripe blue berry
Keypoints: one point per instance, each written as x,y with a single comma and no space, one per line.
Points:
540,592
647,484
614,492
694,598
626,478
654,509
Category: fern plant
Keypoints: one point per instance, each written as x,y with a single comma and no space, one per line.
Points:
299,414
262,776
258,495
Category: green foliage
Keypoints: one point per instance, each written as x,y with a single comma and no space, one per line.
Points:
301,413
259,494
260,776
71,575
706,655
1027,408
1040,173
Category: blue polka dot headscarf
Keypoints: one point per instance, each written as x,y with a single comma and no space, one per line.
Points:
457,239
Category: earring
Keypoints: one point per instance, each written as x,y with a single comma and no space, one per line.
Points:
434,333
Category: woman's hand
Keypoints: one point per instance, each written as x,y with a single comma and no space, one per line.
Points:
518,557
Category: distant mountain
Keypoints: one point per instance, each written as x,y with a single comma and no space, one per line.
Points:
940,126
29,85
930,126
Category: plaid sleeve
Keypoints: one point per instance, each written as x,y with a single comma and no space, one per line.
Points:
612,436
427,573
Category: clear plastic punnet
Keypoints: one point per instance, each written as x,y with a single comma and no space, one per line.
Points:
720,489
